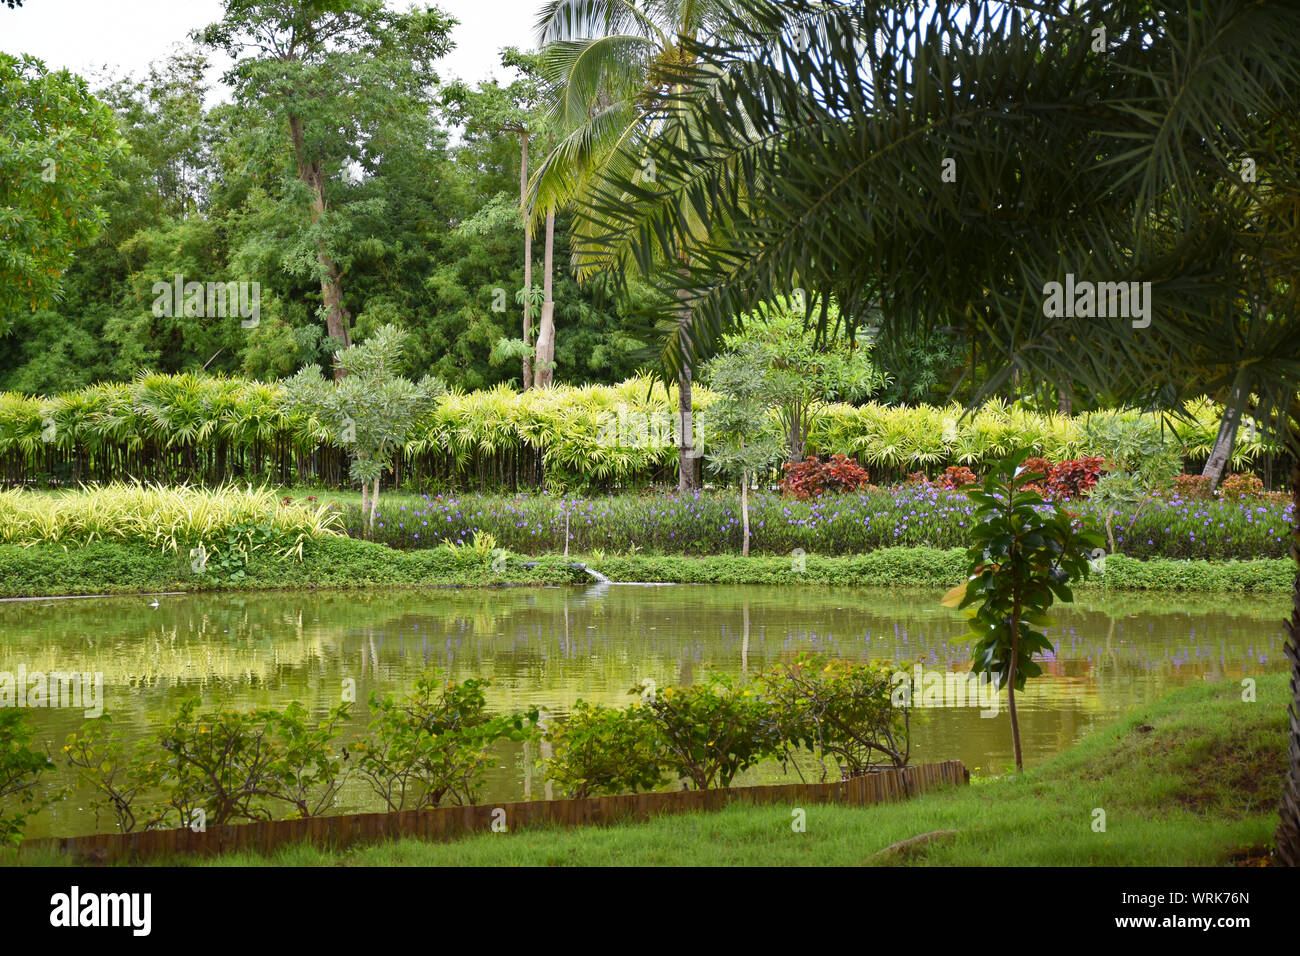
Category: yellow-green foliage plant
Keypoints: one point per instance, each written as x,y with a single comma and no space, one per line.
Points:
212,430
170,518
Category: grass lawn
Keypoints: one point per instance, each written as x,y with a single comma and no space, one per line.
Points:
1192,779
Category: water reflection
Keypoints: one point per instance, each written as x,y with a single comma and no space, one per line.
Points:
549,647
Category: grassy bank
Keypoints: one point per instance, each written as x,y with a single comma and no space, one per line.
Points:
117,567
1192,779
111,567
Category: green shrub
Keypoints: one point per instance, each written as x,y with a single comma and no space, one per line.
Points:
20,768
842,711
713,730
599,749
434,744
226,766
102,763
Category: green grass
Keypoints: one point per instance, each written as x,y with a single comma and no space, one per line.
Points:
1192,779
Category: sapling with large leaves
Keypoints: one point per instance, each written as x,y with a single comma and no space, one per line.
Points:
372,410
1024,554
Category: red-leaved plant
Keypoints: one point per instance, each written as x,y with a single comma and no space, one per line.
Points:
956,476
812,476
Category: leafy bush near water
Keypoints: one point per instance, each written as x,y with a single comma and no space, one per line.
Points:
21,765
706,733
431,746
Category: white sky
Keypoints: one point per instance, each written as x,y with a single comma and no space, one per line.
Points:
85,35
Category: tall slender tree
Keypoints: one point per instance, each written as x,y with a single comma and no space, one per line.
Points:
326,72
606,62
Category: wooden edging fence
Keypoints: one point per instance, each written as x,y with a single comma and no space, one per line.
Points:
448,822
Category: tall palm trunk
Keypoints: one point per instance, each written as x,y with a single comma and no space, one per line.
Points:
545,373
687,456
528,259
1288,830
331,278
1065,397
1217,463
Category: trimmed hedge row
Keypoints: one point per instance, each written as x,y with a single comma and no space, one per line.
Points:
933,568
112,567
106,567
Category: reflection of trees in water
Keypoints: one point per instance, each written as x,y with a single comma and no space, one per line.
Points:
549,647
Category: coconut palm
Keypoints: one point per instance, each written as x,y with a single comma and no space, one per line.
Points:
607,63
939,164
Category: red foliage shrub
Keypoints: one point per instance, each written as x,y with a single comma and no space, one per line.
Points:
916,478
811,477
1193,487
1242,486
1040,465
1070,479
956,476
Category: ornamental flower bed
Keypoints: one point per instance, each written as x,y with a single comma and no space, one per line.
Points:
831,524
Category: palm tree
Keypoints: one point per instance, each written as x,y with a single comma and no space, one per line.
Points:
607,62
941,163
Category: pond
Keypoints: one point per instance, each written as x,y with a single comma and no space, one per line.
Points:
548,647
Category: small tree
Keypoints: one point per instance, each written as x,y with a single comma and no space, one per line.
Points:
1024,554
800,375
1140,458
372,410
740,440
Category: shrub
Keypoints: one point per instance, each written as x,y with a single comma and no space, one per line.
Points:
956,476
228,522
1242,486
599,749
20,768
434,744
841,710
99,756
233,765
1193,487
1072,478
713,730
813,477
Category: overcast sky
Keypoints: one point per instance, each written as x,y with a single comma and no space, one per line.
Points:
85,35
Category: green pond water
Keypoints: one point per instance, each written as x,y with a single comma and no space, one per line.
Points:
549,647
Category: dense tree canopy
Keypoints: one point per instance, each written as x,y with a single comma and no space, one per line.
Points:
421,219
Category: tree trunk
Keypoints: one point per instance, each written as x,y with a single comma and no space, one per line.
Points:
545,374
687,457
528,260
744,512
1288,830
1217,463
374,506
331,280
1011,685
365,507
1065,397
